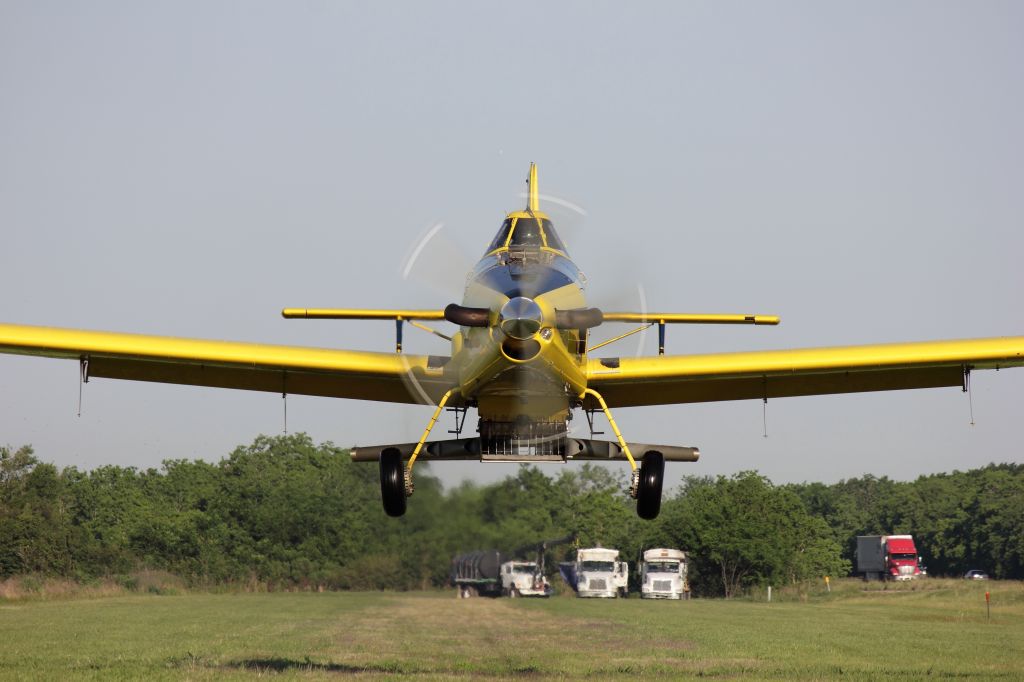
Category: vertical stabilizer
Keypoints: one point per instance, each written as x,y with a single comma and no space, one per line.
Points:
533,202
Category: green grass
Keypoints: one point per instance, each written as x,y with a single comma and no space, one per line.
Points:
933,630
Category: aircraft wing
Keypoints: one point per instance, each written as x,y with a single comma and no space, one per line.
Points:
666,379
362,375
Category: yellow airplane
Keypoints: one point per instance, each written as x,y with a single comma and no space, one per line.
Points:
522,357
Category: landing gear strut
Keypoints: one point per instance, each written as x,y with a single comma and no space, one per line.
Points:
392,482
395,479
648,493
645,482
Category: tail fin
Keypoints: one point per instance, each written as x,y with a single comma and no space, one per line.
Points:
533,202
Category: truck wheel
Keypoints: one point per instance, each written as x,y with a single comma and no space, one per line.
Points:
648,494
392,482
513,593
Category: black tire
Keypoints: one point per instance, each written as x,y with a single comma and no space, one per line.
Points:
392,482
648,494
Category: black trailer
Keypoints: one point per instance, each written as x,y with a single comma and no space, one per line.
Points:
477,574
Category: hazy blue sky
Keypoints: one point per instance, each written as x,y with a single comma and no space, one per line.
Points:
191,168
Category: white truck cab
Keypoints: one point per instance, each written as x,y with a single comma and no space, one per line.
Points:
663,575
599,573
522,579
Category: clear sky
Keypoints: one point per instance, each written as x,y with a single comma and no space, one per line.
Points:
190,168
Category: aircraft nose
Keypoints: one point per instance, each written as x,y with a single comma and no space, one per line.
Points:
521,317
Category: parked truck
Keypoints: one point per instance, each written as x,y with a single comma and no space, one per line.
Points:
597,572
527,578
663,574
523,579
488,573
887,557
477,574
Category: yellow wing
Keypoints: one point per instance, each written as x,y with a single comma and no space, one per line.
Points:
362,375
669,379
360,314
690,318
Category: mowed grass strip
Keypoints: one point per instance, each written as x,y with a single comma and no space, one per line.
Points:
938,632
892,634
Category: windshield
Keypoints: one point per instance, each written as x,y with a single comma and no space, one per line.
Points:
663,567
903,557
525,568
501,237
552,237
527,233
598,566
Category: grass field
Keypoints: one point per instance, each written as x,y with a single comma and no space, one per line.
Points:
936,630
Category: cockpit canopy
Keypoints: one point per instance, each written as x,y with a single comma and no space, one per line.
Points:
525,232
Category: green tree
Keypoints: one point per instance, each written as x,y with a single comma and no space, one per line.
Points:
33,523
747,532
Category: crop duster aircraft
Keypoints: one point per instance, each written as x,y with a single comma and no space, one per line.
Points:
522,357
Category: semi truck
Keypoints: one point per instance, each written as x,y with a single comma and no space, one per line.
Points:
527,578
597,572
523,579
663,574
488,573
887,557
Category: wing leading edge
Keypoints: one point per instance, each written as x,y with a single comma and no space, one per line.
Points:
361,375
658,380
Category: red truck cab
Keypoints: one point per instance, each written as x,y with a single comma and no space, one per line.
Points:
901,557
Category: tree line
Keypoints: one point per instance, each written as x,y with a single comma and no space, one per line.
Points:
284,512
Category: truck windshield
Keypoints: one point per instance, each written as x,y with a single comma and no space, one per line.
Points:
525,568
605,566
903,557
663,567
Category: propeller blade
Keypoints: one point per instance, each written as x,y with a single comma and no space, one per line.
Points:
438,260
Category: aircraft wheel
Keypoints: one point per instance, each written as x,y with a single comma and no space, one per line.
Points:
392,482
514,592
652,475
